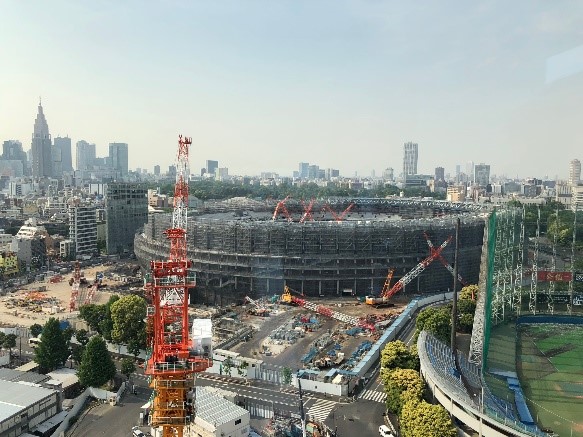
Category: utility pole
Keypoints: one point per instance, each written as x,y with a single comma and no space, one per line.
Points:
302,413
454,306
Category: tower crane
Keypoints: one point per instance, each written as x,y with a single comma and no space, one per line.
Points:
339,217
387,293
281,208
172,363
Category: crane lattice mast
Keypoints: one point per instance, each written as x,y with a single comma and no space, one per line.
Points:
172,362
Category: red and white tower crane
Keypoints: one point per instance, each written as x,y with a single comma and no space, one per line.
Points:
172,362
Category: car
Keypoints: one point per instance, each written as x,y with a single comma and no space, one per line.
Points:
384,431
136,432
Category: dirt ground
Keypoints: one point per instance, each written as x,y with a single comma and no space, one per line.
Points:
291,354
11,315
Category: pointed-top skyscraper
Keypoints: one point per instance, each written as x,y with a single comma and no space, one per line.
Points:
42,159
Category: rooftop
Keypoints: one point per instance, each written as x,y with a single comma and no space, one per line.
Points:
18,396
215,410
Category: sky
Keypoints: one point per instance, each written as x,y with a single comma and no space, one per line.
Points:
263,85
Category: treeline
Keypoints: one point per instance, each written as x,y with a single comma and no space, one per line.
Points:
120,320
218,190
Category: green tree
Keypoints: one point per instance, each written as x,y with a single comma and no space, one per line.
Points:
77,351
469,292
135,346
106,324
52,351
2,338
466,306
127,315
36,330
420,419
128,366
396,354
93,314
399,381
96,367
9,342
437,321
466,323
227,366
68,333
82,336
286,374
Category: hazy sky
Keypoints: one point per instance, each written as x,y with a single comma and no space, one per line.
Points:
263,85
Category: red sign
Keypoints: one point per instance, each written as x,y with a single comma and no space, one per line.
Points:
546,276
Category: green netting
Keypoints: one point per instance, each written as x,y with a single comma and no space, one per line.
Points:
491,247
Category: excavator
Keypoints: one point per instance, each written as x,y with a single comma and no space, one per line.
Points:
388,291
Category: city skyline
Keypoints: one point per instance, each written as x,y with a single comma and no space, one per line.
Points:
261,87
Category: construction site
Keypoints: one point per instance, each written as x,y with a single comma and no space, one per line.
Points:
322,248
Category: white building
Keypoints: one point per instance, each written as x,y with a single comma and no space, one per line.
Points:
574,172
410,156
24,405
83,229
217,417
577,198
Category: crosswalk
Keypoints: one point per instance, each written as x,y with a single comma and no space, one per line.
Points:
372,395
320,410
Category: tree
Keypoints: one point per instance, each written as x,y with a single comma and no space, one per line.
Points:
135,346
469,292
68,333
93,314
36,330
466,323
286,374
128,366
82,336
2,338
418,418
400,385
127,315
10,342
96,367
396,354
227,366
52,351
437,321
466,306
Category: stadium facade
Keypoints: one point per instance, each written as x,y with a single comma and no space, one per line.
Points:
244,249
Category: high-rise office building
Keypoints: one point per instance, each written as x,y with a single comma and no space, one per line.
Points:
118,157
42,159
156,170
304,169
470,171
62,150
410,156
126,210
388,174
85,155
574,172
83,229
12,151
439,174
481,174
211,166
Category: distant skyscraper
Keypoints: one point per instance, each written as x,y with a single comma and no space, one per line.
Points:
156,170
410,157
304,169
42,159
118,155
126,210
470,170
211,166
12,150
388,174
85,155
481,174
439,174
574,172
457,173
62,148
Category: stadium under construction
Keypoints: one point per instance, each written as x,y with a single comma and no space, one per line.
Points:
329,247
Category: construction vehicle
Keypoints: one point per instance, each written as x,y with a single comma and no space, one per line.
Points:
388,293
288,298
257,309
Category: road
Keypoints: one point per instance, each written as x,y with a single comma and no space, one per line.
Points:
111,421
